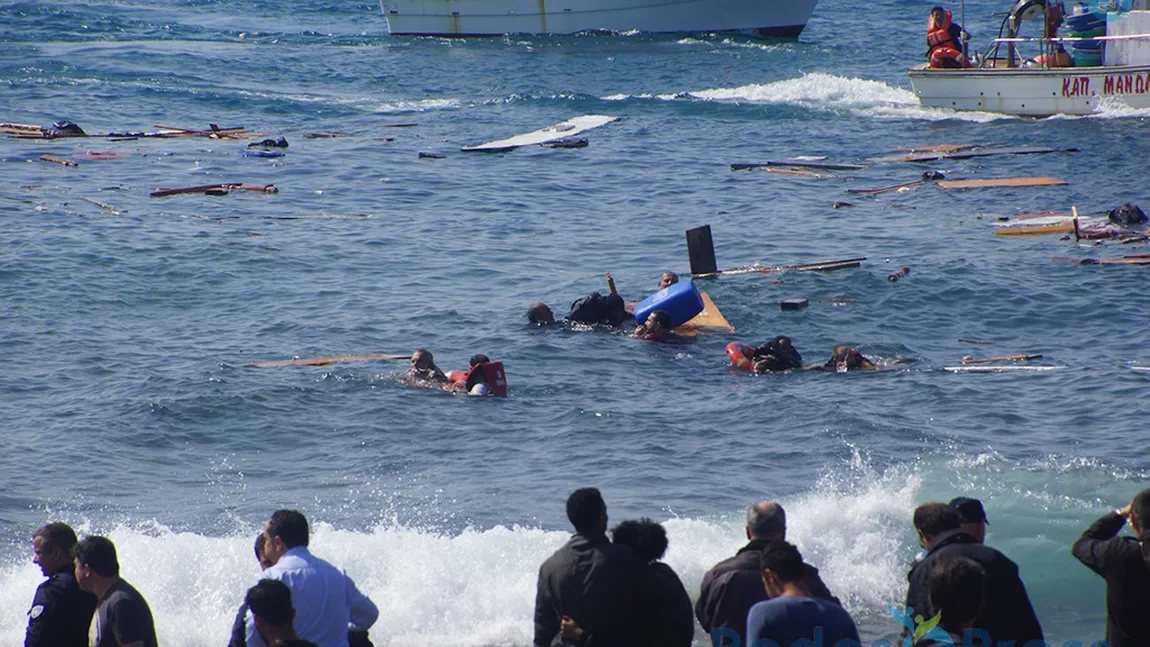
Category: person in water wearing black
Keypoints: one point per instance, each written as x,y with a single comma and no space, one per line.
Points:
61,613
540,314
844,359
945,40
779,354
1124,562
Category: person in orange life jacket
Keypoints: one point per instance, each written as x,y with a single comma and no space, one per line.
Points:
945,39
844,359
477,382
1057,56
656,328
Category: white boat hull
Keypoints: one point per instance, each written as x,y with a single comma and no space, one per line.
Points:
1032,92
767,18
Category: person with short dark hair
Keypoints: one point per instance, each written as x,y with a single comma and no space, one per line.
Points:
123,618
792,613
271,606
589,582
734,585
327,601
958,591
1124,562
945,40
655,328
540,314
423,368
61,613
778,354
1007,613
973,517
667,279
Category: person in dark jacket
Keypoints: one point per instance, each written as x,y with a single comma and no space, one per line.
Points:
1123,562
666,619
778,354
1007,613
734,585
589,580
61,613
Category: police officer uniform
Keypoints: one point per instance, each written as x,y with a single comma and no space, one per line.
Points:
61,613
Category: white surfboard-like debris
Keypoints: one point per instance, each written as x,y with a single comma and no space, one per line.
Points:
559,131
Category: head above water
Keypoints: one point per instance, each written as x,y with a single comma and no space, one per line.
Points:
658,320
540,314
422,360
766,520
668,279
646,537
478,359
587,511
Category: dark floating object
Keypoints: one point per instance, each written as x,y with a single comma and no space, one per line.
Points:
839,204
900,274
431,156
259,153
282,142
793,304
570,142
830,166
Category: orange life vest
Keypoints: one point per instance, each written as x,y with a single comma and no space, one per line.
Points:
490,372
942,45
741,355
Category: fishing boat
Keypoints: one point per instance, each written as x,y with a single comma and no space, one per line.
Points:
762,18
1111,68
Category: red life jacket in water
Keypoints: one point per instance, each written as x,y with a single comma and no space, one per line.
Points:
490,372
943,46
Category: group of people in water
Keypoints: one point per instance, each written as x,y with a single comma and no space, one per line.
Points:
600,592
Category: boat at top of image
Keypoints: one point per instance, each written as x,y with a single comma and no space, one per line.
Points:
1103,60
762,18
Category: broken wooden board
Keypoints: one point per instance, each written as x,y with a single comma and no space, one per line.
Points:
57,160
799,172
1062,227
1133,259
823,266
1002,369
1005,358
1000,182
332,359
214,189
970,153
710,320
828,166
884,189
560,130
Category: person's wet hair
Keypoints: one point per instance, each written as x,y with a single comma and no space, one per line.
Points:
290,526
646,537
936,518
661,317
584,507
957,588
766,519
784,560
478,359
99,554
270,600
540,314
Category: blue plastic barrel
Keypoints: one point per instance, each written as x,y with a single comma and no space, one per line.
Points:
680,301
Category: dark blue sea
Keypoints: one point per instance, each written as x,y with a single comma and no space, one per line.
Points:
127,408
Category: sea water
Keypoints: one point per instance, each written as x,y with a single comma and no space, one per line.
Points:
127,408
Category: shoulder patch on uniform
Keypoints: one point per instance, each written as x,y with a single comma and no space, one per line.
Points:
35,611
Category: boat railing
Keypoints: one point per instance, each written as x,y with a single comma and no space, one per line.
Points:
1046,49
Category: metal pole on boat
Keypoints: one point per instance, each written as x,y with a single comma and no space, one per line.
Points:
962,17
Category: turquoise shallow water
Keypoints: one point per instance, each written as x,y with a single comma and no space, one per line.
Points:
127,408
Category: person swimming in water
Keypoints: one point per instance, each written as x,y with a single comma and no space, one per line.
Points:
539,314
423,368
844,359
779,354
668,279
655,328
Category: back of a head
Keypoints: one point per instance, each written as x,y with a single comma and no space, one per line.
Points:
540,313
270,601
646,537
57,535
936,518
290,526
99,554
957,588
585,506
478,359
784,560
969,509
1140,510
767,520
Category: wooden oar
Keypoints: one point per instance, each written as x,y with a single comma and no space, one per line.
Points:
1066,226
210,188
1005,358
322,361
808,267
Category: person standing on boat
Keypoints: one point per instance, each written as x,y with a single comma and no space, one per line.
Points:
945,40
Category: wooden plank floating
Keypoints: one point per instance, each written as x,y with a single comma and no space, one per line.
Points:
799,172
828,166
214,189
1064,227
57,160
823,266
1004,358
971,153
332,359
1133,259
1002,369
1000,182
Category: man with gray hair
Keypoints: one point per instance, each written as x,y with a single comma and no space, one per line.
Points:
734,585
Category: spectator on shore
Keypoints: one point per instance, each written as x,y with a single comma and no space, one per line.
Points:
589,581
123,618
973,517
958,591
734,585
1007,614
1124,562
793,615
271,606
61,613
327,602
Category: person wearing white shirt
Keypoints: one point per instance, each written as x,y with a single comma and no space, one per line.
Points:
327,602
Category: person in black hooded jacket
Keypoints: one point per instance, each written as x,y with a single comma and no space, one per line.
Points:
779,354
1122,561
1007,613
